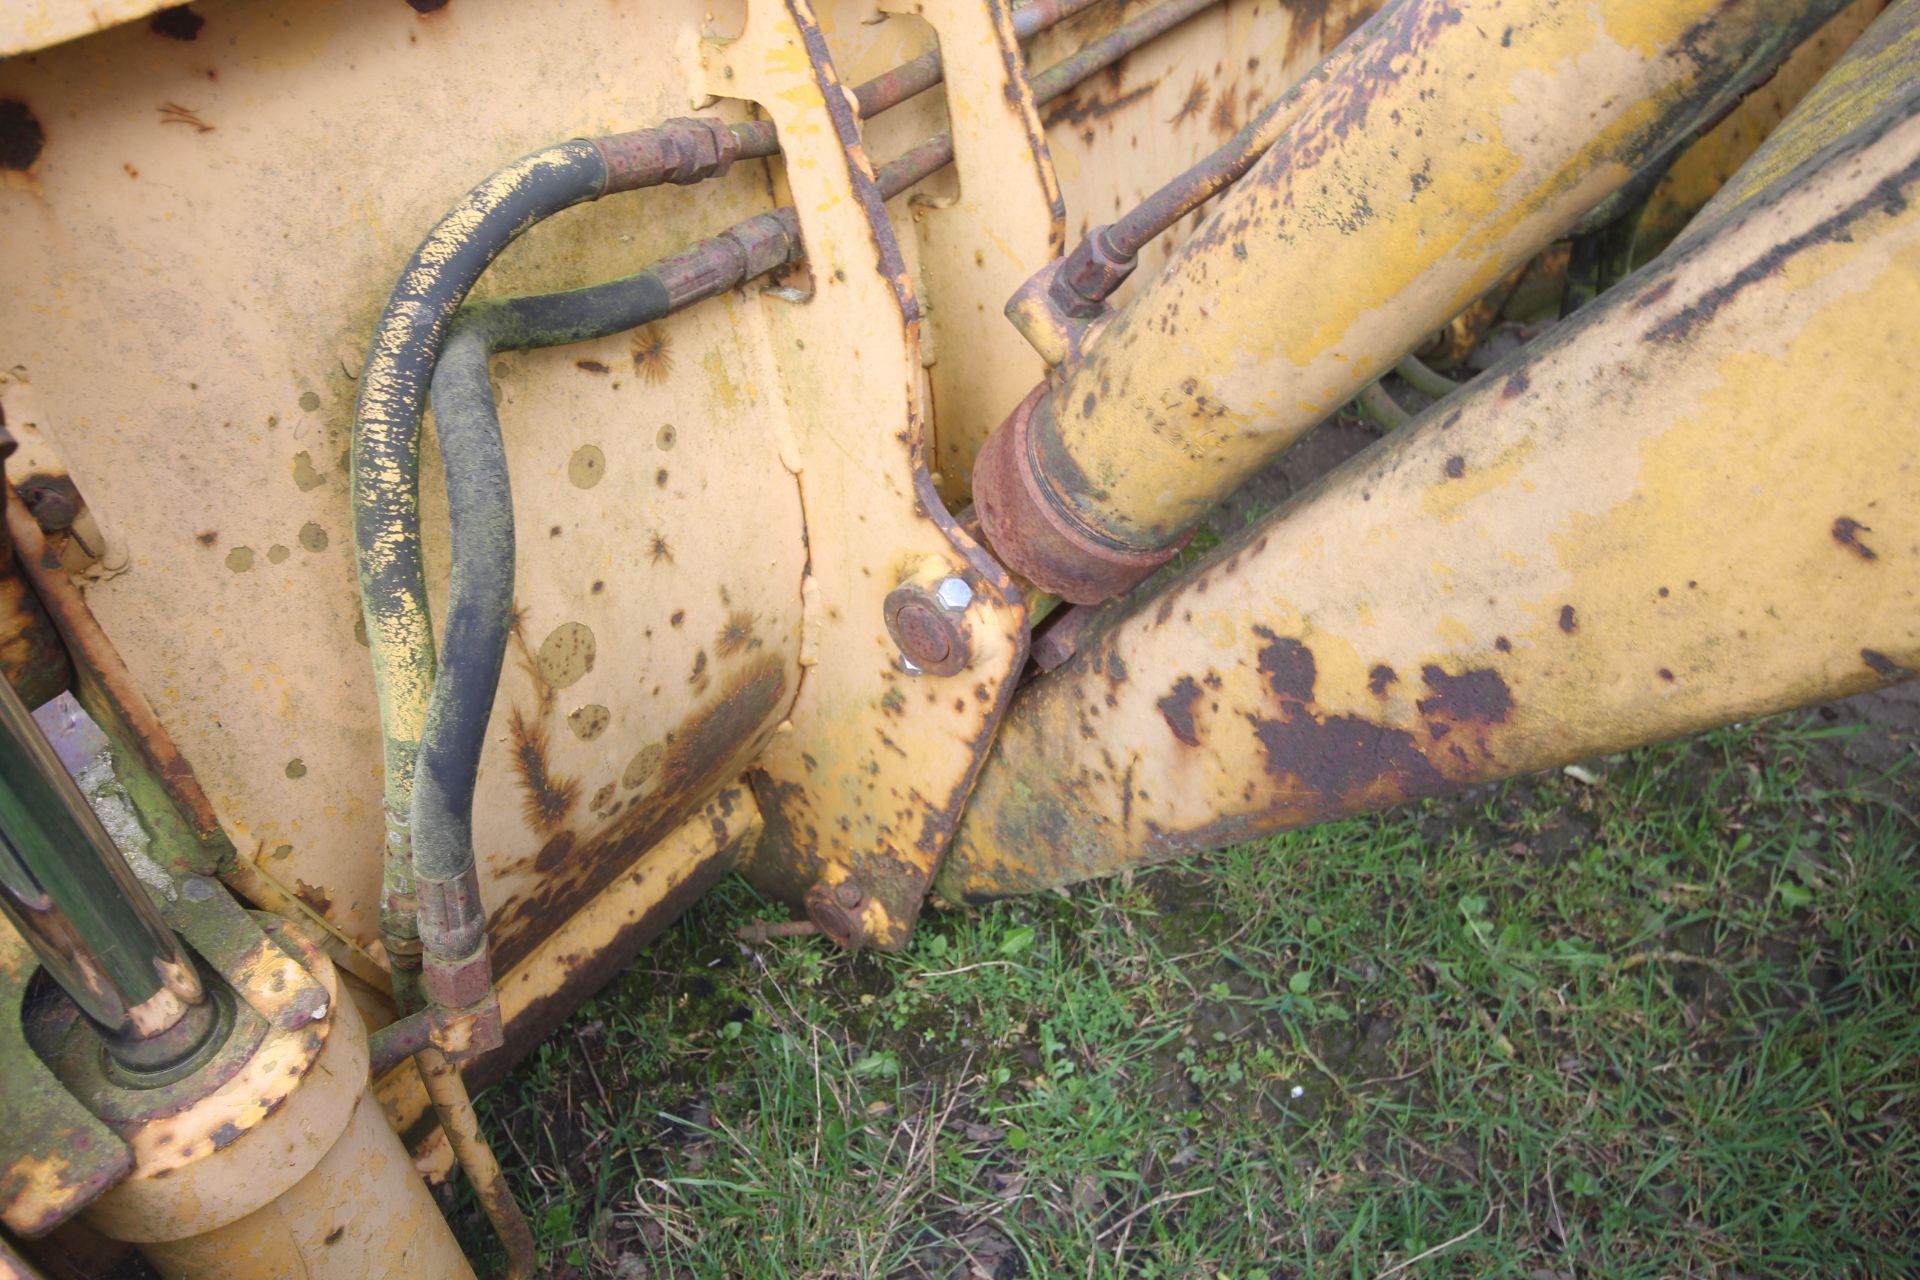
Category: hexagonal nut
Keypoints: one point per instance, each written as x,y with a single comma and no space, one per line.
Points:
457,984
953,594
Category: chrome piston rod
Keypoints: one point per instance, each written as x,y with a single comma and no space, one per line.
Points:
69,891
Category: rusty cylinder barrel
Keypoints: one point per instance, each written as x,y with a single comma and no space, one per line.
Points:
1457,140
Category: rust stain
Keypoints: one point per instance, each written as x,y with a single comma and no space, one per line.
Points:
314,896
1074,109
1883,666
1288,666
533,1023
529,660
174,113
1193,104
1342,106
1331,757
1479,696
1226,111
736,634
1177,709
699,753
653,354
550,797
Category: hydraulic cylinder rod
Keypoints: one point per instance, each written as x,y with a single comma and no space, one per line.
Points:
1456,140
70,893
1697,504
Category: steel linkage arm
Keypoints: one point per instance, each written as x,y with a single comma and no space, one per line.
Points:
1695,504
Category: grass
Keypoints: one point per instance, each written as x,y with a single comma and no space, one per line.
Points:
1662,1022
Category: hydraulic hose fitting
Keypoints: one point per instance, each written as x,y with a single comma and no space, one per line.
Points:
681,151
1090,274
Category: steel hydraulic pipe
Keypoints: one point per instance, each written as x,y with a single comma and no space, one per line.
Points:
1458,139
891,88
70,893
1107,255
1698,503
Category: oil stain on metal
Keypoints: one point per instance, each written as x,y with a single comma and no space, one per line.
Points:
589,722
587,467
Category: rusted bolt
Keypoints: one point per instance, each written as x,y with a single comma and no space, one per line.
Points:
930,626
53,510
836,910
197,889
761,931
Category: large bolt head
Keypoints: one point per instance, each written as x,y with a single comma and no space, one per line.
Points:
931,638
836,910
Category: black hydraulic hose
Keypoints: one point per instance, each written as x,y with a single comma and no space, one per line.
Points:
386,497
386,433
479,610
480,501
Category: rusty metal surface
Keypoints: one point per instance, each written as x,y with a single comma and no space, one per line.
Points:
362,1211
32,658
58,1156
1704,167
136,168
1366,220
1879,65
537,994
1004,221
647,649
1550,566
192,1166
1116,139
275,984
866,778
108,692
282,1165
454,1109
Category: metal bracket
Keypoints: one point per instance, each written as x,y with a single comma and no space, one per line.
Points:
1008,221
864,783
